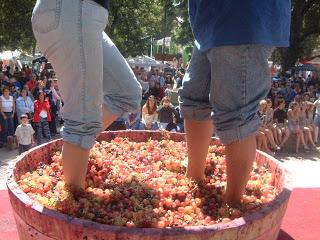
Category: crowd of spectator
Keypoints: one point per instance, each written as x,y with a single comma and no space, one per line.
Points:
291,111
24,93
289,115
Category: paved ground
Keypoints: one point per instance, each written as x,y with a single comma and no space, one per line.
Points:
303,169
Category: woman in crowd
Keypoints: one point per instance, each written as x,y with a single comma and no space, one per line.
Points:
7,111
303,123
167,115
24,105
310,122
293,125
38,87
269,112
264,128
42,117
316,119
149,114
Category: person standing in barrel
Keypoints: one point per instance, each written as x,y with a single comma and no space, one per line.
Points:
227,77
97,85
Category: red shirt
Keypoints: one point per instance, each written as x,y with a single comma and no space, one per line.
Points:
38,107
31,84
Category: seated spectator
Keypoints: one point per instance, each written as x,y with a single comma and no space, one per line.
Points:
167,115
149,114
42,117
24,105
262,143
280,118
303,123
264,128
316,119
310,122
293,125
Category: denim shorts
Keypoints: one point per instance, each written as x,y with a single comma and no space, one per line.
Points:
92,72
226,84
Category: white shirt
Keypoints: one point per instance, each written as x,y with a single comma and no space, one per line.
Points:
24,134
7,104
43,114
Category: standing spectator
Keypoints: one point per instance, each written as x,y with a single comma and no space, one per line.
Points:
53,108
42,117
24,105
8,72
24,134
32,82
7,109
149,114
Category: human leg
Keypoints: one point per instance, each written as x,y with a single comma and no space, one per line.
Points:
242,74
71,39
122,92
196,110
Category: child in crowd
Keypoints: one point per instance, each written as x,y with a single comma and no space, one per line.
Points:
24,134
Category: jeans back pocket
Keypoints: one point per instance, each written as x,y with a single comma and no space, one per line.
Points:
46,15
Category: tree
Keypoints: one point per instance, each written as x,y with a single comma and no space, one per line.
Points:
183,33
15,24
305,32
132,23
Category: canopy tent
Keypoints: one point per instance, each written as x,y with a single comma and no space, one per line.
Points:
305,68
315,61
145,61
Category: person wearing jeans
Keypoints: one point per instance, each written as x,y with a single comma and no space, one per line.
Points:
7,109
227,77
42,117
97,84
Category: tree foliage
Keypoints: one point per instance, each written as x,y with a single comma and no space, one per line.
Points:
305,32
15,24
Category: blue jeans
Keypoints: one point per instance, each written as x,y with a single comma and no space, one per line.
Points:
226,84
92,71
42,128
7,127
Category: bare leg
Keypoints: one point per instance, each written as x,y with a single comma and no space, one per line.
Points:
298,141
309,136
75,158
75,163
270,138
279,134
286,137
198,135
259,141
108,117
240,157
316,134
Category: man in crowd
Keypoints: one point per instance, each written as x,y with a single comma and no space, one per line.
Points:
228,76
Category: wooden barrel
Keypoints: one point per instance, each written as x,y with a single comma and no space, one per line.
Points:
37,222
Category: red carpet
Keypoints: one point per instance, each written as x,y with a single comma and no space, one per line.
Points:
302,220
